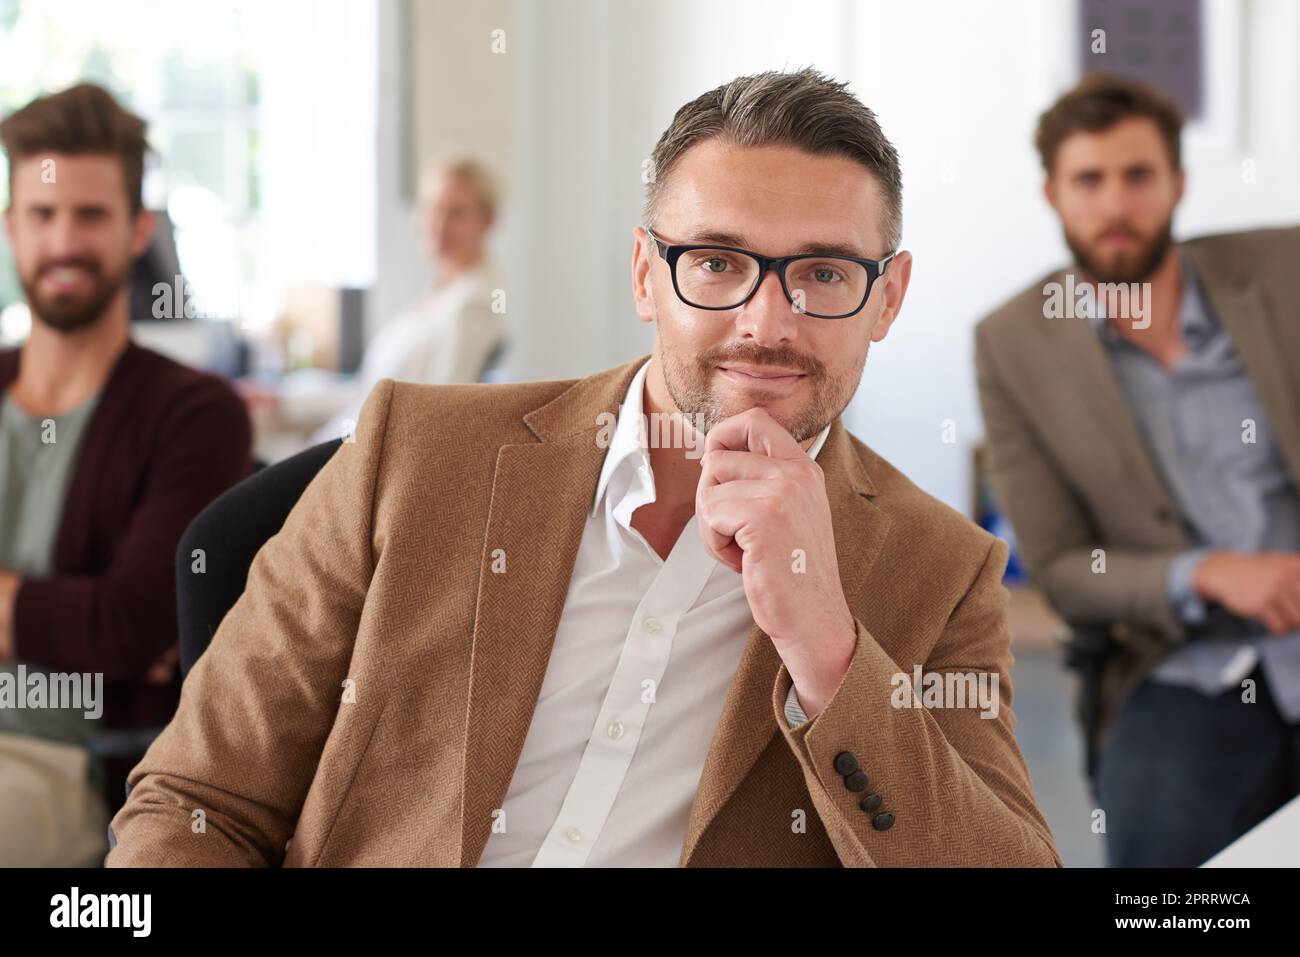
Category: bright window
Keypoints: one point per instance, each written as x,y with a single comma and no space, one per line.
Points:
239,96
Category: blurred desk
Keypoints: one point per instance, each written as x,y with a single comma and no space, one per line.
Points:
1033,623
286,412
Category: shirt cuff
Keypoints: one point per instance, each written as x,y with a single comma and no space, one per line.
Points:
793,713
1178,585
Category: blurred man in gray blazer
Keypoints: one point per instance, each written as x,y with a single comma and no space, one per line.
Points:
1143,418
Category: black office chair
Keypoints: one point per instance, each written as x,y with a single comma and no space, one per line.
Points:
1088,648
491,364
229,532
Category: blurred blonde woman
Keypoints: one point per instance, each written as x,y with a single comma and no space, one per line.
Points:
450,333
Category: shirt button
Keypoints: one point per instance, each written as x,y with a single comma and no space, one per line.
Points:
652,625
574,835
615,730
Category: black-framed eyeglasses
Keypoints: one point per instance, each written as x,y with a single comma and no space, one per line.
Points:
708,276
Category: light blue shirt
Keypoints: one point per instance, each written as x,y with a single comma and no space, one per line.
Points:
1235,494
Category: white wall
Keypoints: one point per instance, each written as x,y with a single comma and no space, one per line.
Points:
956,84
961,100
399,259
317,152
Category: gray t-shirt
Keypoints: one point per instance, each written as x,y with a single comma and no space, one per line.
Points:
37,457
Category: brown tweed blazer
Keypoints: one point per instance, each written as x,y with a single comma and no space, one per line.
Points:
366,700
1070,466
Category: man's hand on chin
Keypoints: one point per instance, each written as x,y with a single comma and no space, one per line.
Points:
763,512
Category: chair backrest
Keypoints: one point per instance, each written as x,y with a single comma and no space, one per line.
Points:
225,536
489,372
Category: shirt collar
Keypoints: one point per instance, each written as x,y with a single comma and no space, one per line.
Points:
628,440
1196,316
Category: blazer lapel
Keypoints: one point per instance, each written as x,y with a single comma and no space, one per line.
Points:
1239,306
747,724
541,495
1082,358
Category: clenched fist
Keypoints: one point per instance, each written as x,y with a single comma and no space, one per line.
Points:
762,510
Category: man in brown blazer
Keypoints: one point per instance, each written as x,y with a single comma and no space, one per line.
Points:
502,628
1145,444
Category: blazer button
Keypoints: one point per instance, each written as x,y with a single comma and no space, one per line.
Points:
1165,515
857,781
870,803
883,821
845,763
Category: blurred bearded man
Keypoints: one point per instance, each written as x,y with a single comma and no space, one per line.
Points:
107,451
1144,427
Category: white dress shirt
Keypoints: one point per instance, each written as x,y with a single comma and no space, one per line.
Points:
643,658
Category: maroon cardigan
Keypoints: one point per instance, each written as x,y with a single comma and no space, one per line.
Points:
164,440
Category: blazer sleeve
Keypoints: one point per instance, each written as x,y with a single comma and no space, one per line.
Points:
1053,533
955,783
123,619
258,706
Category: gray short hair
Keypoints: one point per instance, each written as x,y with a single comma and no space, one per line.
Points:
804,109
